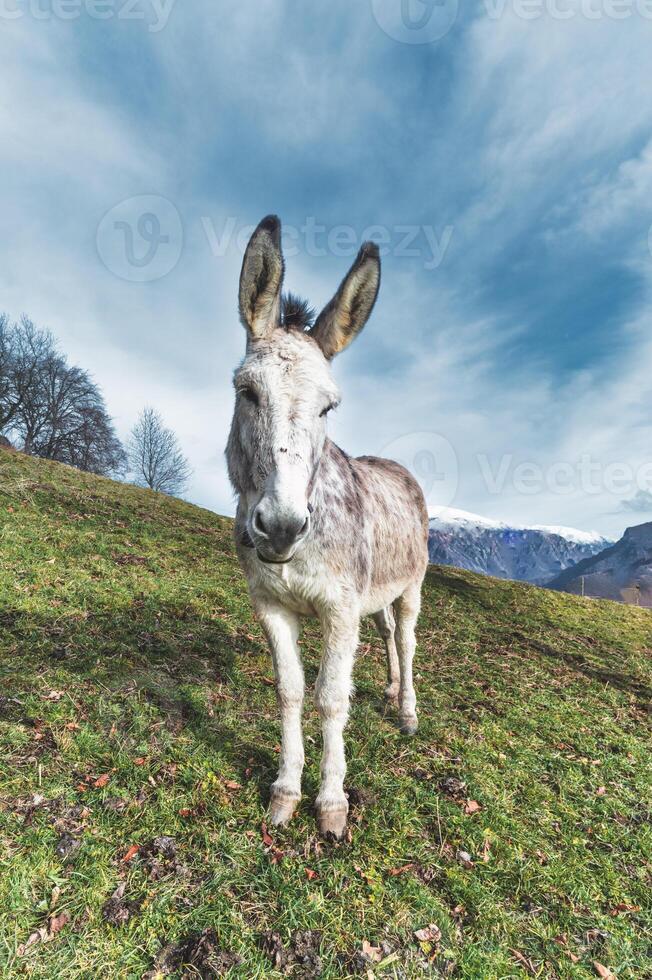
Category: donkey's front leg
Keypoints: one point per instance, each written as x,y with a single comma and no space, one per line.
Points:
282,630
333,691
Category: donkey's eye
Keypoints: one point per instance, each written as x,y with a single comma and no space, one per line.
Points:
250,395
326,410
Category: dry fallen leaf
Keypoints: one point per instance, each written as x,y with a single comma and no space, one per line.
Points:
310,874
39,936
603,971
101,781
431,934
372,954
231,784
52,696
622,907
267,840
131,853
601,791
402,870
139,762
57,922
525,963
471,807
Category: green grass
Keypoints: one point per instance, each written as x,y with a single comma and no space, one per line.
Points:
128,651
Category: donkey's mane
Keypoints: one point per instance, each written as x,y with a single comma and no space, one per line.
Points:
296,313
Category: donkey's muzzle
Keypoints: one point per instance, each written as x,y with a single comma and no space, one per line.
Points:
276,534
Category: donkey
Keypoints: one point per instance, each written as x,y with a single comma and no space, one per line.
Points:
318,533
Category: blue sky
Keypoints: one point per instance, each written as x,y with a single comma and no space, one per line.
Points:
502,156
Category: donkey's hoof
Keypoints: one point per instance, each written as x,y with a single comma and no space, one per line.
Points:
391,694
332,823
281,810
409,724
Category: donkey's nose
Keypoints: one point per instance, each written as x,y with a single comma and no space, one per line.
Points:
279,529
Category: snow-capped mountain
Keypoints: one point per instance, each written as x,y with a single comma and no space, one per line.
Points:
622,572
529,554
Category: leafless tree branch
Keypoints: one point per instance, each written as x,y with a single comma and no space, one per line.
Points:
155,457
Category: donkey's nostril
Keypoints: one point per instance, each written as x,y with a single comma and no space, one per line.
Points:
259,524
278,532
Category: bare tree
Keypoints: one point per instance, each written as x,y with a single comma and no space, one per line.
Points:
155,456
23,351
51,409
7,396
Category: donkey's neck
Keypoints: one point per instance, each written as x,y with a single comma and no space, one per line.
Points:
336,485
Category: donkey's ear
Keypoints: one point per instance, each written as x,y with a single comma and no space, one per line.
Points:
261,279
344,317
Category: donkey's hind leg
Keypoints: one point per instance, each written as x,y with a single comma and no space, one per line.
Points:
386,626
407,608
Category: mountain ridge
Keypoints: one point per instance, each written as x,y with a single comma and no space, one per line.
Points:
534,554
622,572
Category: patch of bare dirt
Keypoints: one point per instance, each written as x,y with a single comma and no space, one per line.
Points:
118,910
300,957
196,955
160,859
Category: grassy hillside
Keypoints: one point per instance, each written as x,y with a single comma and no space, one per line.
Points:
138,738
